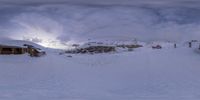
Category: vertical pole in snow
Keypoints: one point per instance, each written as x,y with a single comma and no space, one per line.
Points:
199,46
190,44
175,45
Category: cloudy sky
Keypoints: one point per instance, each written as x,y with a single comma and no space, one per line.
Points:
109,2
56,22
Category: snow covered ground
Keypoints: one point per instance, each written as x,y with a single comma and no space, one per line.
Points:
144,74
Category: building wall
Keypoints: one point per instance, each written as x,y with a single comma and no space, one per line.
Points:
17,50
6,50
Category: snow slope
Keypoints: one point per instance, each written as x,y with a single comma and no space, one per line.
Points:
145,74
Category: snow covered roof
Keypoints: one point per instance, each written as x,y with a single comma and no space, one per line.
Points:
8,46
17,43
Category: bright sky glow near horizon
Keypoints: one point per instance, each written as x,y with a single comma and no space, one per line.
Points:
53,23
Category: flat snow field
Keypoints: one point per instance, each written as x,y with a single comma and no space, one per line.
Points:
144,74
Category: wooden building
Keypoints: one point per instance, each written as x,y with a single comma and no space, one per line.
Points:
5,49
16,50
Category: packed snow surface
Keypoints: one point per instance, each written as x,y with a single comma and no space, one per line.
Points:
144,74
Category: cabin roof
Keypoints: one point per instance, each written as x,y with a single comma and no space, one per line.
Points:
9,46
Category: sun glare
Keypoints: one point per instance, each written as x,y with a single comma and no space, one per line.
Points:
41,37
52,44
